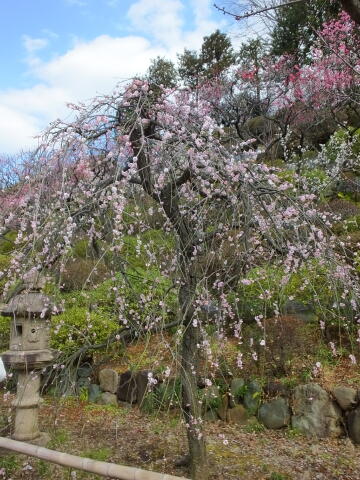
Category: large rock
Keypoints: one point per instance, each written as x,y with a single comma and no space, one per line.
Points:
84,371
94,392
353,425
237,388
238,415
127,388
252,397
346,397
275,414
107,398
314,413
109,380
142,385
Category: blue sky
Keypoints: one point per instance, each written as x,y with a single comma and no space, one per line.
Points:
58,51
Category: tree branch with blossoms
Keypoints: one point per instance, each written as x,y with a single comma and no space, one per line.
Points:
223,212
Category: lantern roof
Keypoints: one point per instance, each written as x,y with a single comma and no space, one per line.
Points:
30,300
29,303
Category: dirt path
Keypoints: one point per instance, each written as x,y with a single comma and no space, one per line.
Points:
154,442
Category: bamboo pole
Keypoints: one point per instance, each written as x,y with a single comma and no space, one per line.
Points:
80,463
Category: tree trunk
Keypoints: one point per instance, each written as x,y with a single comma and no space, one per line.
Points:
189,366
189,351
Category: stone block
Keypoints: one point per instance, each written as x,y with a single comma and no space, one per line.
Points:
236,390
127,387
94,392
353,425
275,414
109,380
107,398
314,413
142,382
252,397
346,397
238,415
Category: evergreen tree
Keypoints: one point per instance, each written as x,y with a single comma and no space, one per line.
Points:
296,26
162,72
215,56
190,67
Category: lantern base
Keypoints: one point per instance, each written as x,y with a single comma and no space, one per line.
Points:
42,440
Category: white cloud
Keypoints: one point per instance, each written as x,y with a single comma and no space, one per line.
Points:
17,130
34,44
89,68
166,22
41,102
202,10
163,22
92,67
95,66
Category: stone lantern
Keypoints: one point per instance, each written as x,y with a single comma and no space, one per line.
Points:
29,353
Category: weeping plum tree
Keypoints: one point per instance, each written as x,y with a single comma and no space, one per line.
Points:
133,155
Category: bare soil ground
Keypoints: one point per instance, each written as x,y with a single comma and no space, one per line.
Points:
154,442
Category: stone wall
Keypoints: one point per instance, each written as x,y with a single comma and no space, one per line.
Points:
308,408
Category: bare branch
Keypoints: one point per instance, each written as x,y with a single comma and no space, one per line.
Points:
252,13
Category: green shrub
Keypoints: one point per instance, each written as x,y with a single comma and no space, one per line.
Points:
4,264
262,290
135,251
59,438
350,225
4,333
278,476
4,261
146,294
10,465
103,297
317,180
7,242
342,137
254,426
77,327
213,403
81,249
250,297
